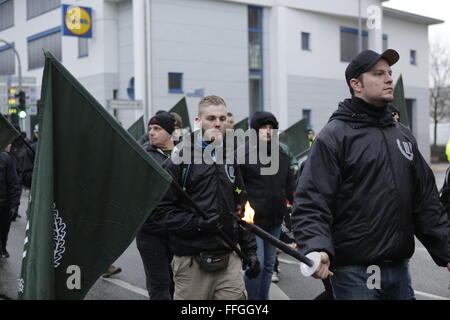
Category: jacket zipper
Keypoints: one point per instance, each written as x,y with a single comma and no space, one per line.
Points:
396,187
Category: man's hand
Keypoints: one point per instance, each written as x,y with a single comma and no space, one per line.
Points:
13,213
323,272
253,269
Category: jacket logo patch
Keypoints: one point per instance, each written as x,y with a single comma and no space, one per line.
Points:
406,149
230,173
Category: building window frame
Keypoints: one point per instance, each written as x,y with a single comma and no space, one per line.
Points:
178,76
306,41
255,58
4,2
413,57
306,114
41,35
365,35
81,53
29,17
5,48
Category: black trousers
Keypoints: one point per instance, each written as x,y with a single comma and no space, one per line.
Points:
156,257
5,224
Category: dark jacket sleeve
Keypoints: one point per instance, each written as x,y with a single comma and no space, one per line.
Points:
27,167
247,240
431,222
314,198
12,183
177,216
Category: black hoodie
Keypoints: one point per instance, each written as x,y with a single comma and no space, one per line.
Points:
366,191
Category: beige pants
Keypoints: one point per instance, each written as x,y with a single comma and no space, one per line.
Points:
192,283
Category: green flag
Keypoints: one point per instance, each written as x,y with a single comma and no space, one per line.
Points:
7,132
137,129
400,102
182,110
243,124
93,188
295,137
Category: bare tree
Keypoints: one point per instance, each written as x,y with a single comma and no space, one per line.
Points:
440,84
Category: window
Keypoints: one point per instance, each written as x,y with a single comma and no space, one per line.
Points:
410,106
255,58
48,40
7,60
413,57
255,92
307,116
175,82
385,42
83,47
36,8
6,14
305,41
349,43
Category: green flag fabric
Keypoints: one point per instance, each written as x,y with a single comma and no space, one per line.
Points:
243,124
182,110
400,102
93,188
137,129
7,132
295,137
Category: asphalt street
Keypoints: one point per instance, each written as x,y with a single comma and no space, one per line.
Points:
429,281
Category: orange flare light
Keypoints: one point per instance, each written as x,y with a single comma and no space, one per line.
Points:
249,213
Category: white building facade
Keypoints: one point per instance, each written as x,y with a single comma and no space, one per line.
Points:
283,56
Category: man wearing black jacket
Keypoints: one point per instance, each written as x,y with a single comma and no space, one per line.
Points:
152,240
366,191
204,267
9,197
267,195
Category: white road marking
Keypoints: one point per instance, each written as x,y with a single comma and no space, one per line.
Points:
127,286
275,292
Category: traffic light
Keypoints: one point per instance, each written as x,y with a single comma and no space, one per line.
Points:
22,105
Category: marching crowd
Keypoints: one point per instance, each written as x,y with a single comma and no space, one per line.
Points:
358,200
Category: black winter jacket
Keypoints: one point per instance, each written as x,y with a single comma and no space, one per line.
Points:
9,182
267,194
217,189
366,191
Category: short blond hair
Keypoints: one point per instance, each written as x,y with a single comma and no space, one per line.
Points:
208,101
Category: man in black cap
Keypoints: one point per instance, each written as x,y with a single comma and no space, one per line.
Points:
366,191
267,195
152,239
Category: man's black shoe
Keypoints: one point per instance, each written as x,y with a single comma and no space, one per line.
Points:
5,254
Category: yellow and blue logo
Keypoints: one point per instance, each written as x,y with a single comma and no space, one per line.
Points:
77,21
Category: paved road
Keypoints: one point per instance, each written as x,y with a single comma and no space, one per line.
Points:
429,281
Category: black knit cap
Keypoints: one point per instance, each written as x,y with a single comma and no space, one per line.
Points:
261,118
165,120
364,61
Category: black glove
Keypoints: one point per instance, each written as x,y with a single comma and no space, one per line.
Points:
210,225
13,214
252,269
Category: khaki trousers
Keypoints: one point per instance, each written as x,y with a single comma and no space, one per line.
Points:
192,283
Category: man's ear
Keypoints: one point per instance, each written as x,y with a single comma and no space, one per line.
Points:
197,123
355,84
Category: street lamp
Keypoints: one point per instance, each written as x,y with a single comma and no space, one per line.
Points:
18,62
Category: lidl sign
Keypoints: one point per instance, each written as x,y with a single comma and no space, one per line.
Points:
77,21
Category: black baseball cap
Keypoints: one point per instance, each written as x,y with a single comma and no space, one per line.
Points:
366,60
